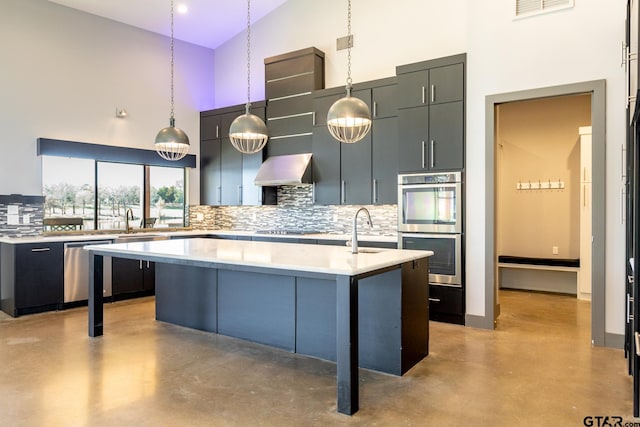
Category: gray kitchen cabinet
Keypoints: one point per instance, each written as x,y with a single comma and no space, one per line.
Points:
384,102
290,79
132,278
326,167
436,84
344,173
226,175
32,277
431,115
384,161
355,164
431,138
210,184
230,174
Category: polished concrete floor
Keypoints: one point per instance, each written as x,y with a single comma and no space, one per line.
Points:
536,369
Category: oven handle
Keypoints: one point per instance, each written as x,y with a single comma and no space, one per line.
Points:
428,186
432,235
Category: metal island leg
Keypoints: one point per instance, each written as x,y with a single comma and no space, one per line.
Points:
95,295
347,344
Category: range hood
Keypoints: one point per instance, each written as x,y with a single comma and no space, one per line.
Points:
291,169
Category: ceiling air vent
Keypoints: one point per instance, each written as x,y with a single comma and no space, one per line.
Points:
536,7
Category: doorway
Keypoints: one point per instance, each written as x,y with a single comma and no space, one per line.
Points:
543,197
596,91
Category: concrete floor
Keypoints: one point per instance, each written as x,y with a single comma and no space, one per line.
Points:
537,368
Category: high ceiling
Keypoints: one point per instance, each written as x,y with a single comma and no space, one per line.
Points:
207,23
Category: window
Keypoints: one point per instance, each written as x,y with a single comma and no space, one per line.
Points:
79,188
167,196
536,7
69,189
119,189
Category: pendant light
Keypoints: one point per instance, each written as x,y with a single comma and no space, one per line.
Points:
248,133
171,142
349,119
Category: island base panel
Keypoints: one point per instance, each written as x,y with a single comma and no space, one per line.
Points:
187,296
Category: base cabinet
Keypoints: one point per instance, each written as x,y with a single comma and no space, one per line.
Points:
132,278
446,304
32,278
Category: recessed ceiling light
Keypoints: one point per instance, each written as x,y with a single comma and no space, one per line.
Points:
182,8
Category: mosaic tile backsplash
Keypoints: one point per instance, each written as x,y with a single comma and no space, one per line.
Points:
295,211
21,215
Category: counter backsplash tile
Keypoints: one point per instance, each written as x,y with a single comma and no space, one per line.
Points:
295,211
21,215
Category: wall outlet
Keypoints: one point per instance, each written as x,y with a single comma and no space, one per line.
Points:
199,216
335,217
554,250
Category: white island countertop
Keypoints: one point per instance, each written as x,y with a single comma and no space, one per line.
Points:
283,256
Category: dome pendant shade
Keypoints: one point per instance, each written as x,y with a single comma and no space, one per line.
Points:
248,133
171,142
349,119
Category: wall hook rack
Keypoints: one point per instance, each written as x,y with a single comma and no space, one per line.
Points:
540,185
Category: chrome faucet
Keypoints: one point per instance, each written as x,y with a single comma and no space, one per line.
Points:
126,220
354,235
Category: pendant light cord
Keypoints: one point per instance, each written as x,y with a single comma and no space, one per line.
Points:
172,119
349,43
248,55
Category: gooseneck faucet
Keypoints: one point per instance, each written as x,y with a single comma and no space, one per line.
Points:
126,219
354,235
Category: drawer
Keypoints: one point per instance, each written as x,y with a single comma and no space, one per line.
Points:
446,304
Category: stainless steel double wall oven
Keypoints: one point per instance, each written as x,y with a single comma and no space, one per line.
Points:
430,218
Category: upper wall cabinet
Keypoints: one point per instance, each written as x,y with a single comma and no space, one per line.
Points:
290,80
436,83
364,172
431,105
226,175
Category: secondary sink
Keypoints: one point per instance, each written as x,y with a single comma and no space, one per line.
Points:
369,250
140,238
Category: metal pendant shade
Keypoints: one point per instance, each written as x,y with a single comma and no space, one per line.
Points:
172,143
349,119
248,133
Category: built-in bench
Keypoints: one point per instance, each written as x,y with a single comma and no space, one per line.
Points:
548,283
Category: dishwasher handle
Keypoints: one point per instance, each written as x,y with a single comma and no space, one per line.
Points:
71,245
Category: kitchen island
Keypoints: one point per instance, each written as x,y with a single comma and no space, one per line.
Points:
368,309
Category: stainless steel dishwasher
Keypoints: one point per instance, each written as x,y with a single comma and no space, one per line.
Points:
76,271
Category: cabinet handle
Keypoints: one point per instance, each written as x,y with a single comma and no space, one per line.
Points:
432,153
433,93
375,190
343,190
40,249
434,299
313,118
148,265
375,109
239,194
423,151
219,195
424,95
140,264
217,131
628,309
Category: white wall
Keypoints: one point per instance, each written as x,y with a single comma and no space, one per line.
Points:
575,45
64,72
384,36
